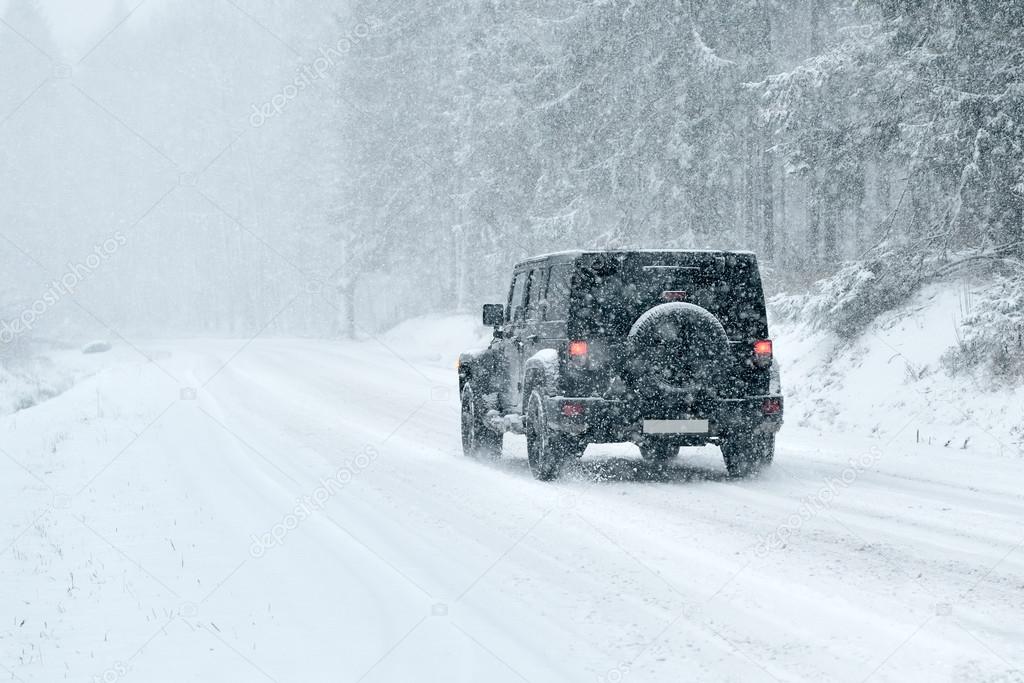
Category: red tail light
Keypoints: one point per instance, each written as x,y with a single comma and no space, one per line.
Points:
572,409
771,406
763,352
578,349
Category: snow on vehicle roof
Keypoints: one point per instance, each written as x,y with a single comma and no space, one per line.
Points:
582,252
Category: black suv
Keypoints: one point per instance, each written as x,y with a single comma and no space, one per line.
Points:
660,348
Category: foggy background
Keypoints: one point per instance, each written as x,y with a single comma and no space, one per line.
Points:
257,165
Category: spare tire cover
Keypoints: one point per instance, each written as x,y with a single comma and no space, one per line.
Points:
678,349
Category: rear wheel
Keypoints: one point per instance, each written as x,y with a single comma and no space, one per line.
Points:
548,451
478,441
747,454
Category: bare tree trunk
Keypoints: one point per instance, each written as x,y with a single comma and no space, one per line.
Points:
767,161
348,309
860,212
883,201
813,217
829,223
460,265
751,175
767,201
816,11
783,223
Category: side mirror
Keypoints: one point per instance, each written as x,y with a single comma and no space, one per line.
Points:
494,315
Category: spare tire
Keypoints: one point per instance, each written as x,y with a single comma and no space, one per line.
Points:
678,350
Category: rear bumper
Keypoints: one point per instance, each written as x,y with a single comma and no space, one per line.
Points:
600,420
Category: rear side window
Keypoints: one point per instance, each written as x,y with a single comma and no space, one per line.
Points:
515,297
559,285
535,293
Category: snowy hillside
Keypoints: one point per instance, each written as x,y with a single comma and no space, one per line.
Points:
890,381
35,376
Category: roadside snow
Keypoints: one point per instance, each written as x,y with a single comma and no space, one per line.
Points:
437,338
890,383
300,510
32,378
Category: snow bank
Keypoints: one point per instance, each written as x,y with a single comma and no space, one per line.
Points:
890,381
36,376
437,338
27,382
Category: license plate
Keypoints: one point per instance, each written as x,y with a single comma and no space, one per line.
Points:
676,426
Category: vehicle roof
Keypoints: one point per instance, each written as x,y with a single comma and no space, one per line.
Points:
571,255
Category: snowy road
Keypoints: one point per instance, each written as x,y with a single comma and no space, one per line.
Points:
305,515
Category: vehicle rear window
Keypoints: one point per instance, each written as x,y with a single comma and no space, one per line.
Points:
558,292
609,294
535,293
515,296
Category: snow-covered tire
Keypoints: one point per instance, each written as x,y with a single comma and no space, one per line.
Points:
748,454
658,451
478,441
547,450
678,349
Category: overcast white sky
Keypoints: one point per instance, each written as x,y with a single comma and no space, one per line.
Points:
75,23
74,20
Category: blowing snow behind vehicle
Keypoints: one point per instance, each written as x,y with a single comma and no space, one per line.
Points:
659,348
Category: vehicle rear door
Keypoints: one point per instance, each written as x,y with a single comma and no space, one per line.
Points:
527,330
513,338
534,337
556,305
